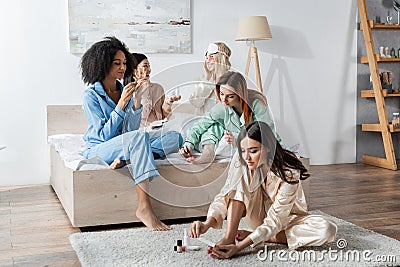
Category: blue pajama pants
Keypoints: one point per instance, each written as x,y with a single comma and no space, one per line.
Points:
138,147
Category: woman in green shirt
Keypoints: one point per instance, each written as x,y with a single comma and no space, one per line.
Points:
238,106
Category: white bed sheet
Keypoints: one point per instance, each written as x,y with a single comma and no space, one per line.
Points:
70,146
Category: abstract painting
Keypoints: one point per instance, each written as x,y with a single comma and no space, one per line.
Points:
146,26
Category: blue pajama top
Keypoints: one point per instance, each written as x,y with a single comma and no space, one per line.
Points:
105,118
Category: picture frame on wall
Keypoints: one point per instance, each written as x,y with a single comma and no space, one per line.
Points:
148,26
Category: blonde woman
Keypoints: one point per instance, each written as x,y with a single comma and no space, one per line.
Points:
215,65
204,99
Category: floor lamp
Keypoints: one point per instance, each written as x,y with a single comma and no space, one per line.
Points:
251,29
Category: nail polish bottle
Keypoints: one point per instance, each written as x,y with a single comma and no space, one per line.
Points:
186,241
179,246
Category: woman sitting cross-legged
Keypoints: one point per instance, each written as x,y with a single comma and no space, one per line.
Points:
264,188
155,105
237,107
108,107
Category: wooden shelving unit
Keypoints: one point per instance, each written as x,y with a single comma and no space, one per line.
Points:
384,127
382,26
370,93
364,59
375,127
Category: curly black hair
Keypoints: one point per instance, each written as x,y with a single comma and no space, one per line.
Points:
97,60
283,160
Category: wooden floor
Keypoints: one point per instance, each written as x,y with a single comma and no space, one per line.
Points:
34,229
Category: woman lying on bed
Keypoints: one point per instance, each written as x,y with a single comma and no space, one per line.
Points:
237,107
264,188
155,106
107,105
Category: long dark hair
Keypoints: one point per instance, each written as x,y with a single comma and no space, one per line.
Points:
246,96
137,57
284,161
97,60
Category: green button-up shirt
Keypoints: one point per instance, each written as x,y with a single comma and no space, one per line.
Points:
225,118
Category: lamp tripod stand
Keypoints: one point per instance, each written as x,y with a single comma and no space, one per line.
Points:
251,29
253,54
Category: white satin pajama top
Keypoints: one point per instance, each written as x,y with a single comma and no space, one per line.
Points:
271,207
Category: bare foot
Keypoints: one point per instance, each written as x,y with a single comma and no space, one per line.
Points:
223,241
149,219
241,234
203,159
117,163
207,156
279,238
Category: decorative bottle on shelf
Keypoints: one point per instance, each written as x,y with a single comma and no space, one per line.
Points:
382,52
392,53
398,53
389,19
387,52
396,120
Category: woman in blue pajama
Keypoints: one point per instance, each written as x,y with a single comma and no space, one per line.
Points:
109,107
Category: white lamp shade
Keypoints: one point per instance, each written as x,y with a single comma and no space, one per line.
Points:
253,28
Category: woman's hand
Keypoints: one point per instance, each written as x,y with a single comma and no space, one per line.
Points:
172,99
126,94
186,152
206,70
141,86
224,251
216,251
197,228
141,73
230,139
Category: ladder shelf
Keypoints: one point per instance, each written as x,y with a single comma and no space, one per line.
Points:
383,127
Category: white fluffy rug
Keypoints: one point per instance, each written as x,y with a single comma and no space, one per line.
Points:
354,246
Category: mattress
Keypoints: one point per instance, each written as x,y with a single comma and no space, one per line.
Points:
70,146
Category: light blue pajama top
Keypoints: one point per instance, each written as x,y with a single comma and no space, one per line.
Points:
105,118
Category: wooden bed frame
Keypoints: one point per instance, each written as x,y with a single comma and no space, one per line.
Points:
102,197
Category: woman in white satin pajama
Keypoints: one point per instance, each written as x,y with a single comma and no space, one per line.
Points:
264,188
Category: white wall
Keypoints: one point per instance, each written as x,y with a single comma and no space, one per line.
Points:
308,72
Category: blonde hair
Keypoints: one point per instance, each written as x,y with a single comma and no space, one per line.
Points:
222,63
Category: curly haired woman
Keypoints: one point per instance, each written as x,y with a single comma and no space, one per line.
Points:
108,105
